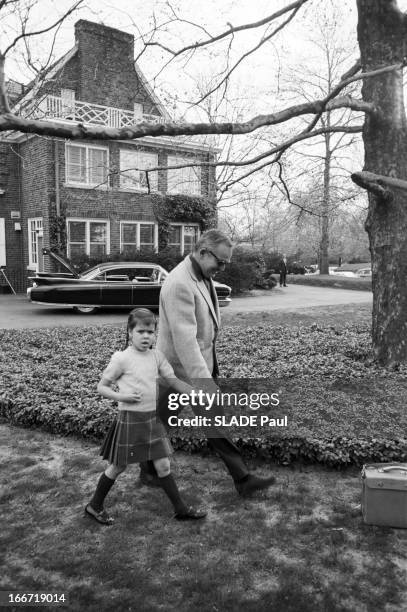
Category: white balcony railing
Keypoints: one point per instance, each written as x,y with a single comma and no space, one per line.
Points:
55,108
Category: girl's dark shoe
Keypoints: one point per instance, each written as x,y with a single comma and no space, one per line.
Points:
190,513
101,517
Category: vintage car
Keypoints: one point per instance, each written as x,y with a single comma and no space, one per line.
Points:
364,273
115,284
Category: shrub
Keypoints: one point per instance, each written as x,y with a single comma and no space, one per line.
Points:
245,271
343,408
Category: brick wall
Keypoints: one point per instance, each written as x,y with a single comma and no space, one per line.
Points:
9,205
37,177
106,67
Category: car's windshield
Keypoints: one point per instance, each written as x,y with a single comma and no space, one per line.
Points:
90,273
131,273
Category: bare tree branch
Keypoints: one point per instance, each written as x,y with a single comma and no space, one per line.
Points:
245,55
283,146
344,83
25,34
378,184
8,121
232,30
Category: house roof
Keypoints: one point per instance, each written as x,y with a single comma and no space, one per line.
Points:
34,86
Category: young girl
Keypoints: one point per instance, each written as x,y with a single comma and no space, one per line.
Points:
138,436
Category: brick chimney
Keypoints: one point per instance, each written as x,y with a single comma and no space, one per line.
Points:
106,65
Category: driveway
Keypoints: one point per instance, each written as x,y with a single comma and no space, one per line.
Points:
295,297
17,312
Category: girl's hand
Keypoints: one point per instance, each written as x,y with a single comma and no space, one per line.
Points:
130,398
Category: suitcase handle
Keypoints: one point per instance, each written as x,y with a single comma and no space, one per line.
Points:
392,467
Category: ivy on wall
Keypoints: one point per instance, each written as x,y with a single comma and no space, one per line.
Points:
57,229
167,209
182,208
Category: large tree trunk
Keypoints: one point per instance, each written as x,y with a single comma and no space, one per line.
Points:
381,34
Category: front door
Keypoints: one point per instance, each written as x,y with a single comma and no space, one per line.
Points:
40,256
2,243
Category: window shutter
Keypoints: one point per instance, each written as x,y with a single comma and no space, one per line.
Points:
75,164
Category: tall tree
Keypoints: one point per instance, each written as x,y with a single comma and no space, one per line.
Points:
382,32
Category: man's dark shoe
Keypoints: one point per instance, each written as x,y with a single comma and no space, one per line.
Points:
149,480
253,484
190,513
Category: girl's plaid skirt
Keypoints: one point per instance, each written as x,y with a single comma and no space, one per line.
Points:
135,437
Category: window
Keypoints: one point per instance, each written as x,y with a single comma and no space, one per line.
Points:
132,164
183,237
190,237
184,180
86,165
135,236
34,232
87,237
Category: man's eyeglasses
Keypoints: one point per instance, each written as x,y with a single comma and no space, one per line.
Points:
221,262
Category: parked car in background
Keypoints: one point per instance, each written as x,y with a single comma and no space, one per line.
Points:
115,284
296,267
364,273
353,270
339,272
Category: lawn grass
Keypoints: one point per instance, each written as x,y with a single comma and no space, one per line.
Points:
302,546
330,280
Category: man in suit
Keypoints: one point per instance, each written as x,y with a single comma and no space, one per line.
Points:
283,271
189,323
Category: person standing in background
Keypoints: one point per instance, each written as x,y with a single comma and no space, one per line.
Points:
283,271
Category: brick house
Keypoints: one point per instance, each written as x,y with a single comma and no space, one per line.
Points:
94,193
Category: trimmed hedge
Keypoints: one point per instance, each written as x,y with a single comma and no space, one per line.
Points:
344,409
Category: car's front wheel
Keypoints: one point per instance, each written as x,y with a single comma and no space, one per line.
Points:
85,310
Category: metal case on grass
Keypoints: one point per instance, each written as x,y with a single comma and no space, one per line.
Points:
384,494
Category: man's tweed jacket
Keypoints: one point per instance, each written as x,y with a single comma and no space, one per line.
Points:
188,323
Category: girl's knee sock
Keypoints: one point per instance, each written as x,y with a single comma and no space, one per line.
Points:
103,487
170,487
